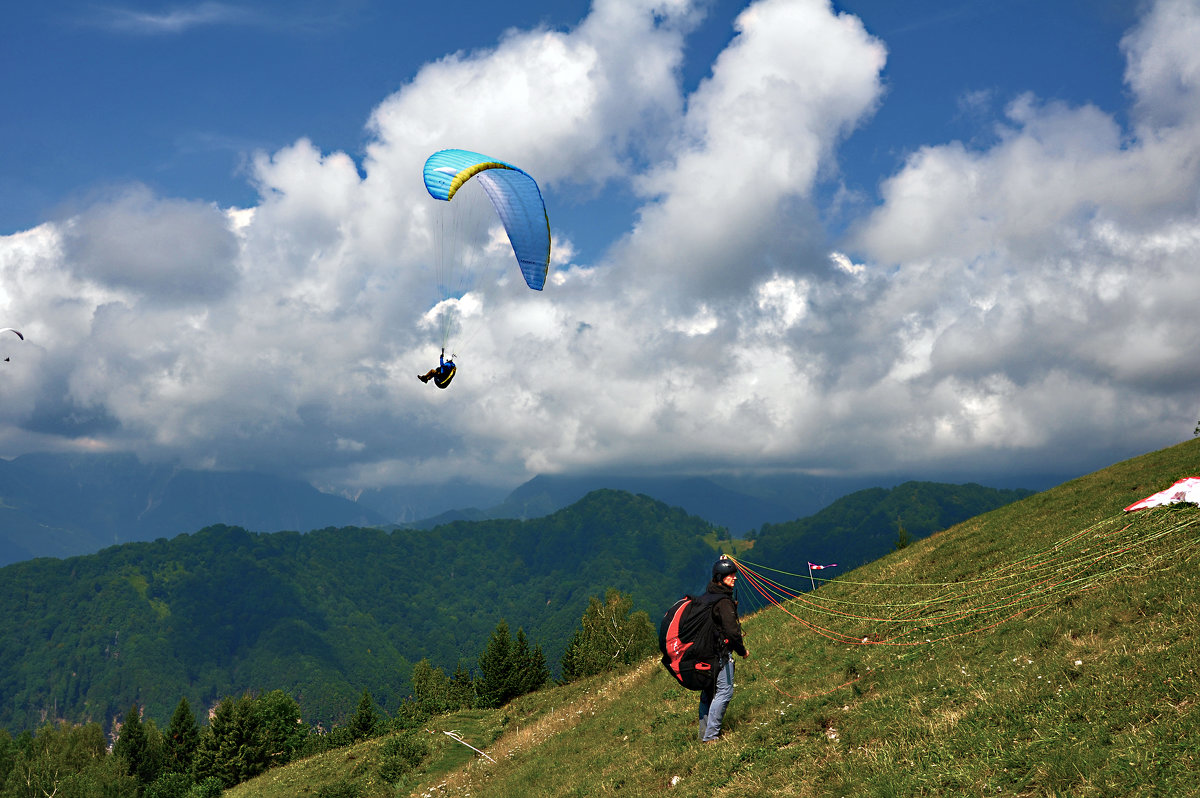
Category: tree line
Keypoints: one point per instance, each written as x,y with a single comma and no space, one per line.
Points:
249,734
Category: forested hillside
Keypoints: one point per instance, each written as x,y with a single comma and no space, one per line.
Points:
326,615
321,616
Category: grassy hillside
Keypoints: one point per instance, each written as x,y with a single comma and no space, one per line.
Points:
865,525
1046,648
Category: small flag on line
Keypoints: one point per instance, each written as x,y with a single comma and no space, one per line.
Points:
815,567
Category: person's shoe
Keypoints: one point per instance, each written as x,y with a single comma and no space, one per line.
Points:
423,377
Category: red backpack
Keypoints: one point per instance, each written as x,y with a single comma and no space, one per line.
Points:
690,641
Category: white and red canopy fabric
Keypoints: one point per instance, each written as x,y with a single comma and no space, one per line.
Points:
1185,490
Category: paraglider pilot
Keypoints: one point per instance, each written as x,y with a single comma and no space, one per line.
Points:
713,703
14,332
441,375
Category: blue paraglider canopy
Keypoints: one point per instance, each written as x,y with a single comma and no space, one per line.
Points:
513,193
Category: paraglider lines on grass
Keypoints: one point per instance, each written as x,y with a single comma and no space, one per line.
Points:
1023,585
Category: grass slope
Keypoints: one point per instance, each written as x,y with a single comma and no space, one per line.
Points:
1061,660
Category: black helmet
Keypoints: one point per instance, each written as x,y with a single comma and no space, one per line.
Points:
723,568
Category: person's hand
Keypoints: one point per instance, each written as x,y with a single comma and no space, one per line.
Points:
746,655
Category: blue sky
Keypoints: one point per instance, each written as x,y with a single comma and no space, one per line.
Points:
178,95
958,234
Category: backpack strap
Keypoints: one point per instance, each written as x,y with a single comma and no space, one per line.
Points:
713,600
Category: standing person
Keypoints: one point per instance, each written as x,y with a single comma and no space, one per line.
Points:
719,595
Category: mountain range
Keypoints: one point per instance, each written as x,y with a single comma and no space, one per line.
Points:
62,505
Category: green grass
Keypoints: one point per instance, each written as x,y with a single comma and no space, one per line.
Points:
1062,661
735,546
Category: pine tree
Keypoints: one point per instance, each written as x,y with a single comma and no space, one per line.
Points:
8,754
233,747
574,663
529,666
461,694
495,668
362,723
181,739
134,747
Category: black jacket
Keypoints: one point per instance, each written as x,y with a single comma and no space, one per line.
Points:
725,616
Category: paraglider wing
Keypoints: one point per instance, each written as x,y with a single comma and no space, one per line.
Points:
513,193
14,332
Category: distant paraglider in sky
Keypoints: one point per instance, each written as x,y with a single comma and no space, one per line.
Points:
14,332
478,191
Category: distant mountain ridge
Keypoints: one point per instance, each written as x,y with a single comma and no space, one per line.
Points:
61,505
739,504
700,496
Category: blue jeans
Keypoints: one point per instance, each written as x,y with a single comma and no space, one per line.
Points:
713,703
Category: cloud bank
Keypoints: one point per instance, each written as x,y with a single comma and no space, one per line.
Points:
1027,306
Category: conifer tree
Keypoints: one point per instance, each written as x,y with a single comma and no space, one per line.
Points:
529,666
461,693
539,669
509,668
362,723
233,747
574,664
134,747
181,739
495,668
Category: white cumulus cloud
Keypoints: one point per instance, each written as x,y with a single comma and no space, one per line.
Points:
1025,304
